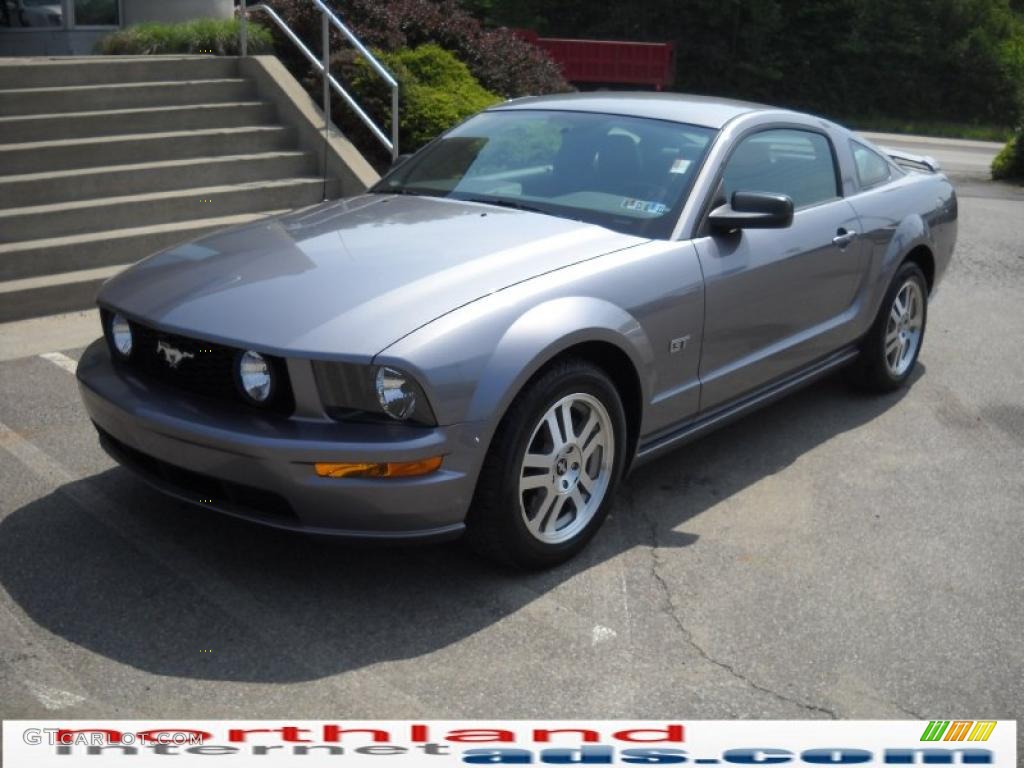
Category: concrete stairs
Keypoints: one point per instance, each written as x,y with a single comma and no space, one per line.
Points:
104,160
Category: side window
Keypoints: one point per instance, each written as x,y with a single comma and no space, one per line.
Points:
784,161
872,168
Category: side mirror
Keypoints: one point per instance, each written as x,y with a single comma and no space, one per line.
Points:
753,210
400,159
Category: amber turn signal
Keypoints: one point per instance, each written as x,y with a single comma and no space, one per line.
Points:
378,469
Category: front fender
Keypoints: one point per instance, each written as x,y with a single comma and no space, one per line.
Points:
473,361
542,333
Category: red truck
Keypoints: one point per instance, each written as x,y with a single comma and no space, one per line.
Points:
609,62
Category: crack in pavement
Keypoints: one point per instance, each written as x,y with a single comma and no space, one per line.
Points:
906,711
672,611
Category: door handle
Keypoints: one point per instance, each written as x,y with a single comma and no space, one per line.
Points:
844,237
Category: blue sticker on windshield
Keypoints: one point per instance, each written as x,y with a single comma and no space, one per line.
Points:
644,206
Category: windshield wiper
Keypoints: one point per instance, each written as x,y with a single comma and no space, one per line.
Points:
502,203
404,191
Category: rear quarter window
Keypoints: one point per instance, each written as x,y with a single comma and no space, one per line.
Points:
872,168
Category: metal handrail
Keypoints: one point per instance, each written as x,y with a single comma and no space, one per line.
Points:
374,64
357,44
323,67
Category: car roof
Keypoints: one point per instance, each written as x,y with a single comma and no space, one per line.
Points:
708,111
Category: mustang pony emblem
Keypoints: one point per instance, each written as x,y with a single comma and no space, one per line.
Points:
171,355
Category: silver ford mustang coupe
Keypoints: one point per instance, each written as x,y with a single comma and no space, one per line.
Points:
551,293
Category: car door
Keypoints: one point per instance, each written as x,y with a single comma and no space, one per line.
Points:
778,299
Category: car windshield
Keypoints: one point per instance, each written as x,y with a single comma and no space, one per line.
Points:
629,174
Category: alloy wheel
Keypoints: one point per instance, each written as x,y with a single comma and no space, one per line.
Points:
903,328
567,468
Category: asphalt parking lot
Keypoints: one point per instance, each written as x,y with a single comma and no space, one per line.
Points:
834,555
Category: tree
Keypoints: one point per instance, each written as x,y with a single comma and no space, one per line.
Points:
931,59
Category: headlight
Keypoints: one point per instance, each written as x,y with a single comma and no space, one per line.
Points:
121,335
352,392
255,376
397,396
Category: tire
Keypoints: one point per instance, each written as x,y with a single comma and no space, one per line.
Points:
890,350
527,511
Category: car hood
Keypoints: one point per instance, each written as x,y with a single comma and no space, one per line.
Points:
347,279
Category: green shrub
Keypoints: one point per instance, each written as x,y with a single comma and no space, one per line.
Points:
203,36
1009,163
501,61
436,91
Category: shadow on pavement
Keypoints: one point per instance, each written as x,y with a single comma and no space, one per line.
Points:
280,607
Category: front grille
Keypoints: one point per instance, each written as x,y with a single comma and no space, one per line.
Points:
202,489
205,368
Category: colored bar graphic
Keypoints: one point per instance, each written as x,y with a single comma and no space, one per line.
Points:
982,730
958,730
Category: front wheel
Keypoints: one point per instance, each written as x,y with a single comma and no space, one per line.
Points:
555,460
890,350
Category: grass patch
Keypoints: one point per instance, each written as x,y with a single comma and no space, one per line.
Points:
936,128
217,37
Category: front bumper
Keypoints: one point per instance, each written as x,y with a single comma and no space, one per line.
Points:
259,466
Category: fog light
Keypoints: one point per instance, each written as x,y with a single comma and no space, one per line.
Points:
379,469
121,335
254,373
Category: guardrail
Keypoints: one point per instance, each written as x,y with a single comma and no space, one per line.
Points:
329,19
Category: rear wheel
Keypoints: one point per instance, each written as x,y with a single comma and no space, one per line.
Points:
553,466
890,350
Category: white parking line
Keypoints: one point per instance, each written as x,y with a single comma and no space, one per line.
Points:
61,360
601,634
53,698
